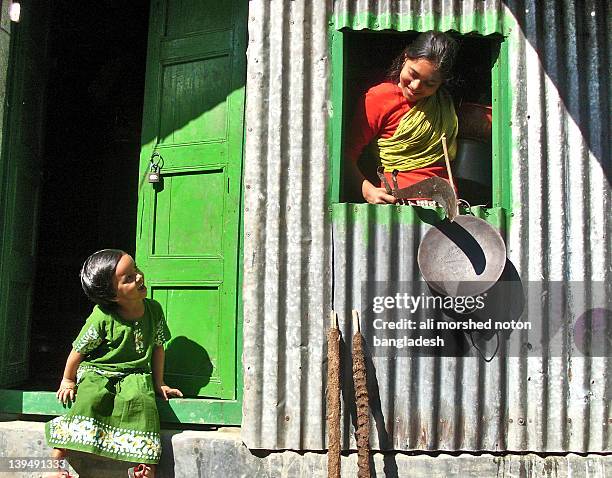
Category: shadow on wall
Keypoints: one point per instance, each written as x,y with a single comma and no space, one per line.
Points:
577,63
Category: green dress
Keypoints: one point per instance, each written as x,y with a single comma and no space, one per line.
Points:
114,413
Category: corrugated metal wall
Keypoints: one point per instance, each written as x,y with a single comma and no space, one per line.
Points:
561,227
483,16
560,230
287,275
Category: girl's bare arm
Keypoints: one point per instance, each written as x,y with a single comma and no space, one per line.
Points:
370,193
158,375
67,388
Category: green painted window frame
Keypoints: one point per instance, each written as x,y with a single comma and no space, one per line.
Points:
501,127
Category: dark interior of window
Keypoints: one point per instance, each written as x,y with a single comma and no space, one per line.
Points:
368,57
95,95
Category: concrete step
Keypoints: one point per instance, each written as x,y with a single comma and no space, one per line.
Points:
221,454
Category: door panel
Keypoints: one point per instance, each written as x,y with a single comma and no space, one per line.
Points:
188,224
201,344
20,182
189,16
188,89
193,230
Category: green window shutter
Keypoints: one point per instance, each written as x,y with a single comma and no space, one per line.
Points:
188,225
20,184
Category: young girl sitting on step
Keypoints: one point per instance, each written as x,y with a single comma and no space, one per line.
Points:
117,366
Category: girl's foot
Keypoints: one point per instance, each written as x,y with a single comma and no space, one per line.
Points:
141,471
57,455
61,473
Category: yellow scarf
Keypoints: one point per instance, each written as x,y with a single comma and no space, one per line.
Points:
417,141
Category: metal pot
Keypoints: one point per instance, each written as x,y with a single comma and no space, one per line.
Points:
472,168
465,257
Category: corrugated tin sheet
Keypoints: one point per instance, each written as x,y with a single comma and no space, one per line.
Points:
560,230
427,403
287,275
483,16
515,402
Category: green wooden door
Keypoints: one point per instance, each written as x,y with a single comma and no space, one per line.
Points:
188,225
20,182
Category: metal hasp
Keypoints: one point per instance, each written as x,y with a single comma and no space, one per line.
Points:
156,163
437,189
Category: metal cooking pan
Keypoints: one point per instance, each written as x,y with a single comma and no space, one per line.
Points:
465,257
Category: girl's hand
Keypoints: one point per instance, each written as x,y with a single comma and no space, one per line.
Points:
375,195
67,390
168,392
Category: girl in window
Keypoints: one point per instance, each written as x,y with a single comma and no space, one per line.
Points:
404,117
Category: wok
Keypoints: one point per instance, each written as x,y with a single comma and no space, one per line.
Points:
465,257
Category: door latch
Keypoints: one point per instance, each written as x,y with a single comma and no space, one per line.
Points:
155,166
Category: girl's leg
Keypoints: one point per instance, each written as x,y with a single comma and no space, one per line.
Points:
59,453
62,471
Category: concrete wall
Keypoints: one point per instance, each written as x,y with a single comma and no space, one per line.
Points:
221,454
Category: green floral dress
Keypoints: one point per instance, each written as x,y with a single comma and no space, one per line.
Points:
114,413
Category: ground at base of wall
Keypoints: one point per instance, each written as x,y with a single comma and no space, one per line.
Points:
221,454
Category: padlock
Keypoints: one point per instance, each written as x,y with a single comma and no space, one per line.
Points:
154,176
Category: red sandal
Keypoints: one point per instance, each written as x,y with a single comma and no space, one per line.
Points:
138,471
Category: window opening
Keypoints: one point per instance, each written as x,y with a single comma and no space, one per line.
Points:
367,57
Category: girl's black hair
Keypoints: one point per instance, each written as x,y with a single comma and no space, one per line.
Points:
97,278
437,47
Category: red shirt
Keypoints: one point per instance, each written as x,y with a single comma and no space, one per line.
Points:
378,115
